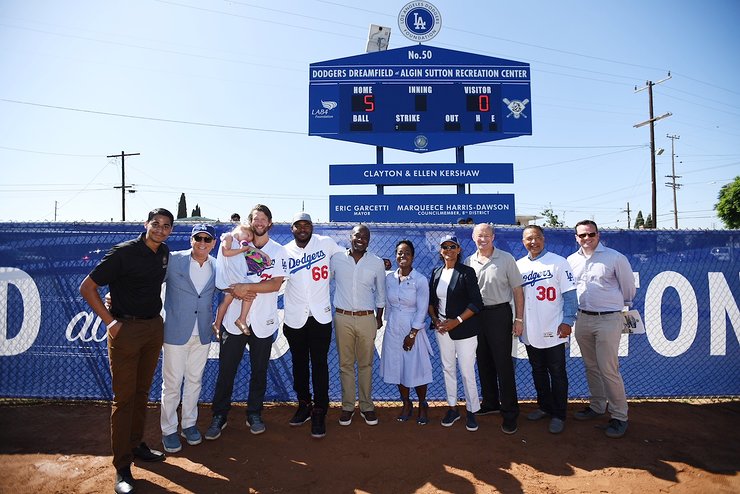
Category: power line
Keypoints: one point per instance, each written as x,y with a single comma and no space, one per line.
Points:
155,119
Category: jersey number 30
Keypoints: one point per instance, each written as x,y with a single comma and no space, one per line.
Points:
546,293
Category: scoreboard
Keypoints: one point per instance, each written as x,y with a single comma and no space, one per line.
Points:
420,99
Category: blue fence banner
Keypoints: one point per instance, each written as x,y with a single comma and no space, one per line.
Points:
52,346
424,174
424,208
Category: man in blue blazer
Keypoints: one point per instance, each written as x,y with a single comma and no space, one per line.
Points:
190,287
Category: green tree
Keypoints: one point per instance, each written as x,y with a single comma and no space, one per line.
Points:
728,207
182,209
196,211
649,221
552,219
639,221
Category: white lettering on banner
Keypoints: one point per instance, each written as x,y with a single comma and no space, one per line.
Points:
722,304
279,346
89,330
31,300
381,173
654,308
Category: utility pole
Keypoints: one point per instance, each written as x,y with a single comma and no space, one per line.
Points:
123,185
649,86
673,178
629,219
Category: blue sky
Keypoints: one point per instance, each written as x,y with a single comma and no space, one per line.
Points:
214,95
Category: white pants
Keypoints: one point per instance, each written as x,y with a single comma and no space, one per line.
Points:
182,363
465,352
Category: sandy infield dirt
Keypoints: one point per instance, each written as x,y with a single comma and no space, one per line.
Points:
676,447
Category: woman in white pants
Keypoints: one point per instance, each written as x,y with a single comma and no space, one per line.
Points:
454,300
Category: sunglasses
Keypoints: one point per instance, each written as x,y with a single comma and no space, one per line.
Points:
449,247
589,235
201,238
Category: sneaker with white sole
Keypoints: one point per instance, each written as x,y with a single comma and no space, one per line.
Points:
218,423
171,443
450,417
318,423
303,414
256,426
192,435
370,417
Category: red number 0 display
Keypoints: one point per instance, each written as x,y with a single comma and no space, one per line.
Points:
546,293
320,273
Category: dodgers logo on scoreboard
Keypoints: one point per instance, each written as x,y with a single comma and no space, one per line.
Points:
419,21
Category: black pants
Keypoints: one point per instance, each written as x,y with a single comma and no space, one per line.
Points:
231,350
550,378
495,363
310,345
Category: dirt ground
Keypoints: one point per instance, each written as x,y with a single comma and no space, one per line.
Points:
670,447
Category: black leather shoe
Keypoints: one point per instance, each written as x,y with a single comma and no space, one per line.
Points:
124,481
143,452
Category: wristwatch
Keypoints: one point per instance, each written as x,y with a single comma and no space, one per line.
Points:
459,319
412,335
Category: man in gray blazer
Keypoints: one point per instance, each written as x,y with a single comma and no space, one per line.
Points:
190,286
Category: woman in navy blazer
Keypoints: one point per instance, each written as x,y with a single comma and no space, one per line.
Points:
454,300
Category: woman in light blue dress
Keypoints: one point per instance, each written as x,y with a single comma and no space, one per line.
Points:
406,349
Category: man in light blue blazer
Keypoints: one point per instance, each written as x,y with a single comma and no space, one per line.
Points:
190,286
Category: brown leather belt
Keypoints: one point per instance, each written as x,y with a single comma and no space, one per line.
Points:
355,313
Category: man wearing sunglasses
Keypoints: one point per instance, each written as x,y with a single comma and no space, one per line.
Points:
604,286
188,303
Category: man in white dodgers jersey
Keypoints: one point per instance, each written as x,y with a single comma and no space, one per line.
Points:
549,313
308,316
263,323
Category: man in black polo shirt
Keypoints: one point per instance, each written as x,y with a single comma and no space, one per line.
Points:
134,271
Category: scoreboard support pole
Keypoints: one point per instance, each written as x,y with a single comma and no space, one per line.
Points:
460,160
379,161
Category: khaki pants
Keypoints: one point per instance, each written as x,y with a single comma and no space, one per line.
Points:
355,337
598,337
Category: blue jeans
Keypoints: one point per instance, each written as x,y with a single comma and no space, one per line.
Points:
231,350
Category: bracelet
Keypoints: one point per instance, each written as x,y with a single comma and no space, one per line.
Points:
518,319
459,319
112,323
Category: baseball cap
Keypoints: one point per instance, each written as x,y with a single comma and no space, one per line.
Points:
203,228
449,238
301,217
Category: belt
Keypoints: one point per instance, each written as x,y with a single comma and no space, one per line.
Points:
128,317
497,306
354,313
592,313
